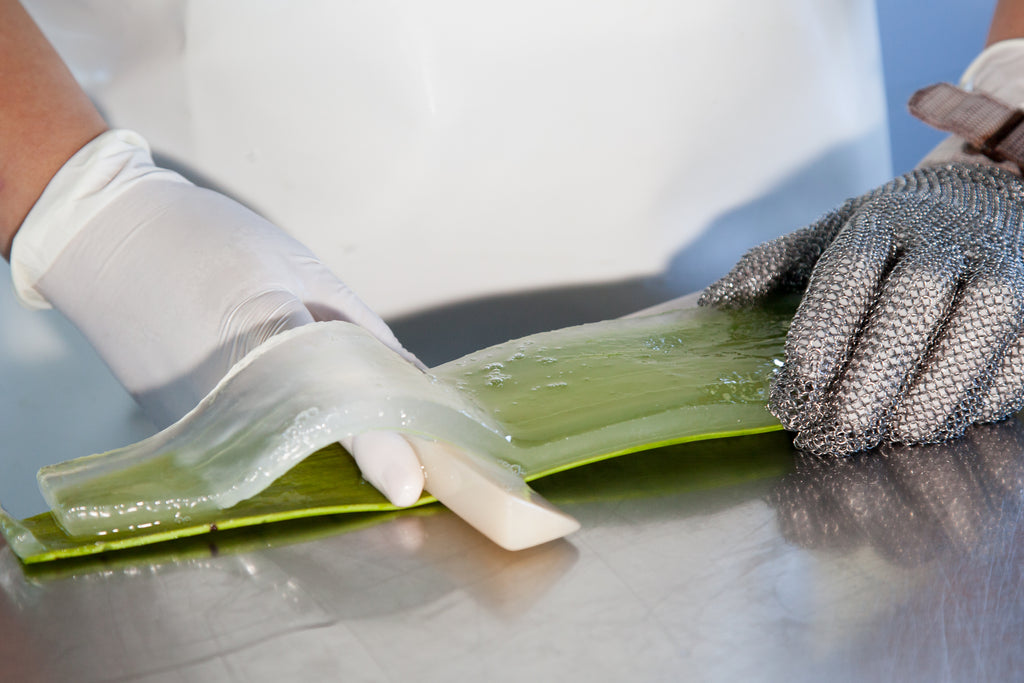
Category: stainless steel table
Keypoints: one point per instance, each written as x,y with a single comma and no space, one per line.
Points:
904,565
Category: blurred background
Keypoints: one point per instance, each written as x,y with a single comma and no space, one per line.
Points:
923,43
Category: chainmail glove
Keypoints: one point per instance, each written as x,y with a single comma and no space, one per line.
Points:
910,325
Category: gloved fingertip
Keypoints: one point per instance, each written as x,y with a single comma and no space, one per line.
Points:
415,361
391,341
710,296
389,462
402,485
405,353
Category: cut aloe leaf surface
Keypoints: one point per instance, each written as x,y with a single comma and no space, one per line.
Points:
745,464
537,405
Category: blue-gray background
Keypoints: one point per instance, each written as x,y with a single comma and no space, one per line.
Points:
925,41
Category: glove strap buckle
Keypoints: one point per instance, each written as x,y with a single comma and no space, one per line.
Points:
990,126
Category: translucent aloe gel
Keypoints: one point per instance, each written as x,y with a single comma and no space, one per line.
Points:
539,404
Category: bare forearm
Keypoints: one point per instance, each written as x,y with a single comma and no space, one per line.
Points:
44,117
1007,21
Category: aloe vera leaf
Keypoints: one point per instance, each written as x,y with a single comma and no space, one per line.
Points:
302,391
325,483
586,393
303,502
542,404
672,470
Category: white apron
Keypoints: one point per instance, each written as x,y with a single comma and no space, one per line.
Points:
436,151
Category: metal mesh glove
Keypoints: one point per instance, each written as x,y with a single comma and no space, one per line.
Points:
910,326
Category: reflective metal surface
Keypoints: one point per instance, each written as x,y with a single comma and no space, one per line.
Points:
899,567
736,560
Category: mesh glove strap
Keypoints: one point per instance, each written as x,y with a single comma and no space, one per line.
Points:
990,126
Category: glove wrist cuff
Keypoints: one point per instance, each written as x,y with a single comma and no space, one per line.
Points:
89,181
998,71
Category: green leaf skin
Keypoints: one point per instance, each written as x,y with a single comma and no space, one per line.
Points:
541,404
747,461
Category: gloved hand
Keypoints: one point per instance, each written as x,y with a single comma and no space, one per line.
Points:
172,284
909,329
910,326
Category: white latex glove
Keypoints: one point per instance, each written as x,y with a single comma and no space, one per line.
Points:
172,284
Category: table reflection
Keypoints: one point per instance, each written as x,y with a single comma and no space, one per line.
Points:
910,503
160,609
729,560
